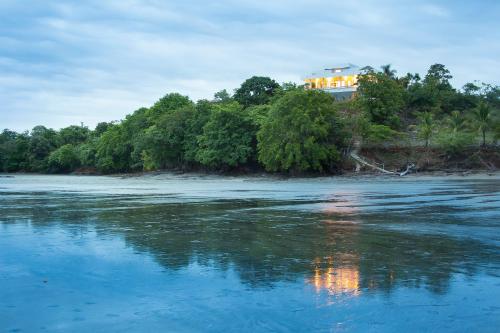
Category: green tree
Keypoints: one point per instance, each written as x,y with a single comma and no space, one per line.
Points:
301,133
133,127
258,114
482,118
426,127
439,74
388,71
227,139
101,128
63,159
452,137
194,129
491,95
382,98
166,104
7,145
287,86
456,121
454,143
434,93
73,135
376,134
409,80
471,88
438,91
164,140
42,142
257,90
113,151
222,96
86,153
8,150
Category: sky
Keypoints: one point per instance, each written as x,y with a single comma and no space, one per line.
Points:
68,62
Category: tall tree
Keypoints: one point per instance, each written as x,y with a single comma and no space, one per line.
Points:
101,128
167,103
42,142
257,90
388,71
113,151
482,118
222,96
13,151
163,141
434,94
301,133
227,138
438,73
491,95
426,127
63,159
73,135
381,97
194,129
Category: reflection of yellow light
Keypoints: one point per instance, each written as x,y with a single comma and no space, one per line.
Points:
349,204
341,280
317,280
333,207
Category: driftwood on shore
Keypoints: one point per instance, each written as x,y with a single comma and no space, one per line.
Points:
361,161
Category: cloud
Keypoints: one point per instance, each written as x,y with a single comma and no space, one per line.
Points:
435,10
66,62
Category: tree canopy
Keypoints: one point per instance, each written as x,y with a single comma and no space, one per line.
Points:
301,133
257,90
265,126
227,138
382,97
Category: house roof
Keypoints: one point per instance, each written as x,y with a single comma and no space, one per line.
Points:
344,69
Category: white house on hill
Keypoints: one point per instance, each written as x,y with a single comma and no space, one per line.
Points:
341,81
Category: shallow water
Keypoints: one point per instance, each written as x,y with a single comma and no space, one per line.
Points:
170,253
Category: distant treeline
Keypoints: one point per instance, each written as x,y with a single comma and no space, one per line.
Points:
280,128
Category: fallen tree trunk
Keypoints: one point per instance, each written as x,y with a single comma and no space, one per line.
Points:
361,161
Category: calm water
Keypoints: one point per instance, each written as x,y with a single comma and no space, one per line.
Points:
211,254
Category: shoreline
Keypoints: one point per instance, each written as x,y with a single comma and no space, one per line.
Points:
472,173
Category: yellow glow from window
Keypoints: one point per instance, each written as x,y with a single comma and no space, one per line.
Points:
332,82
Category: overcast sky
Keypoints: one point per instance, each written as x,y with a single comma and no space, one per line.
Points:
66,62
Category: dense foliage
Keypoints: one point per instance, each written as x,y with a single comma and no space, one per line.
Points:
279,128
302,133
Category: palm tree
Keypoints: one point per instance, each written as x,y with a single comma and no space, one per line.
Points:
482,117
425,128
387,70
456,121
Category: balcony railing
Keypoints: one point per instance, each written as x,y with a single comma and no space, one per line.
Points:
335,89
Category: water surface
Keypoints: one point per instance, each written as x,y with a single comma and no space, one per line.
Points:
172,253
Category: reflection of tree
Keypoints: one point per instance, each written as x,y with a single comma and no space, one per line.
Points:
334,250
